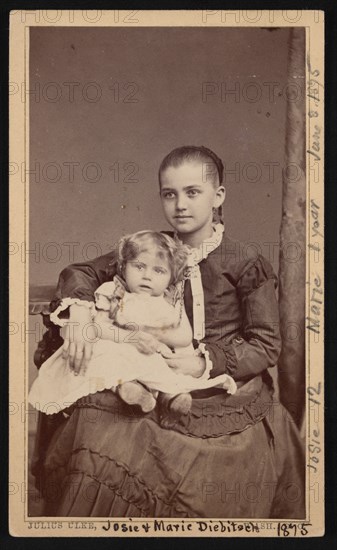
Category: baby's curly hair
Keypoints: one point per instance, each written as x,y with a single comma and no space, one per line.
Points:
175,253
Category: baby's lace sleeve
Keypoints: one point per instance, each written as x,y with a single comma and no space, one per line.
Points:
104,295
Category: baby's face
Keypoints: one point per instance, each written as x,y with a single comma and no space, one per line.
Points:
148,274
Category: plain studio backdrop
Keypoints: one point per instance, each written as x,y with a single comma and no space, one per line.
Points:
107,104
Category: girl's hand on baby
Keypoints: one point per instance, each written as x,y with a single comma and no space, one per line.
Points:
145,343
79,336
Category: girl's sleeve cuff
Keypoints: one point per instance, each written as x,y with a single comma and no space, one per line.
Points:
227,382
209,365
61,321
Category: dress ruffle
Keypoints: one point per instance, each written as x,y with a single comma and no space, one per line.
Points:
221,414
213,414
105,480
107,460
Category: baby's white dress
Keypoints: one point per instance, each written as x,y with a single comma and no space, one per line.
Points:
113,363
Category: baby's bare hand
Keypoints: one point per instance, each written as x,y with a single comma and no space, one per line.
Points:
191,364
165,351
146,343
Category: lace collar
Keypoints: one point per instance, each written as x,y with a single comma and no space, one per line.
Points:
206,247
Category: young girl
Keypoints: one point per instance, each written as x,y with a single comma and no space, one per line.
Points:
143,296
232,456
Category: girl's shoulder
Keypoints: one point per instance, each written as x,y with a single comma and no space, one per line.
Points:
240,260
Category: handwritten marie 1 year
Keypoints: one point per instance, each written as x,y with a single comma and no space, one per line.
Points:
317,293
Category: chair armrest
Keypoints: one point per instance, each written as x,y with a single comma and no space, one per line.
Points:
40,297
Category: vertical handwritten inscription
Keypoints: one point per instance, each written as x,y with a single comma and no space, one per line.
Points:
314,89
315,307
316,237
315,436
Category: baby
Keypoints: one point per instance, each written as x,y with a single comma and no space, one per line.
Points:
151,305
141,322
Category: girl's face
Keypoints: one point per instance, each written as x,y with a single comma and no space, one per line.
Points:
148,274
188,198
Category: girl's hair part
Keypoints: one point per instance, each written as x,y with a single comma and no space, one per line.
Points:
192,153
132,245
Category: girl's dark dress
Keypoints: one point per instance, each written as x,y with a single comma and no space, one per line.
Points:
232,456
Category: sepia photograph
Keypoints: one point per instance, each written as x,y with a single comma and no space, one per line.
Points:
171,254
